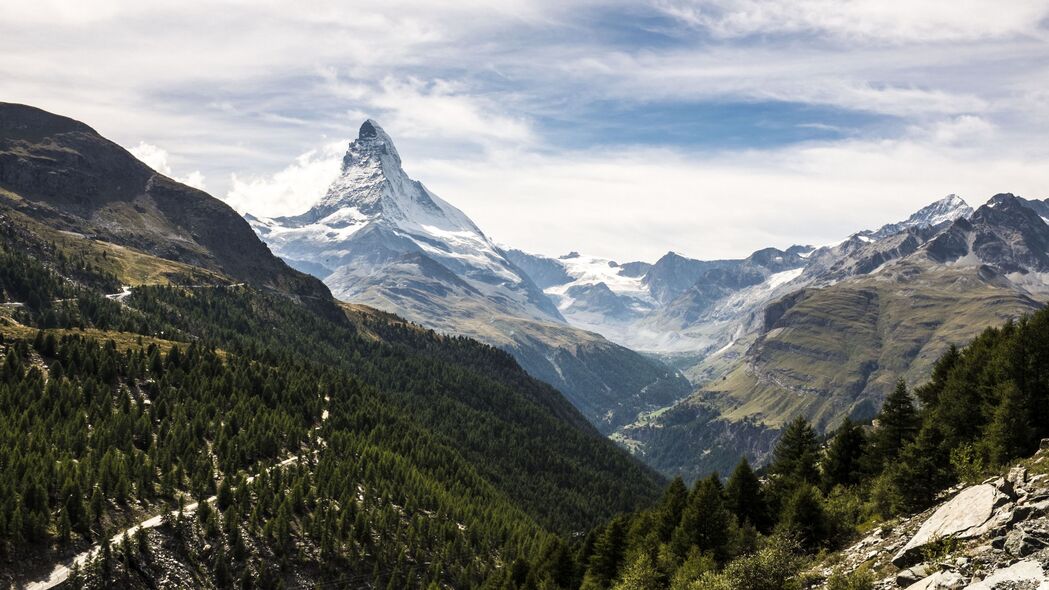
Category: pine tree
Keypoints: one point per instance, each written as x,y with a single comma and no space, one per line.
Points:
921,471
929,393
65,526
744,498
796,454
898,424
223,578
673,505
694,566
225,495
705,521
640,574
804,517
1009,433
608,554
556,565
843,464
97,504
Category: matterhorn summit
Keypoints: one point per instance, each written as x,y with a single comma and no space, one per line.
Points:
373,184
374,214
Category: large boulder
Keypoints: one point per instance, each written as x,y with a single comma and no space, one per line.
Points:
973,512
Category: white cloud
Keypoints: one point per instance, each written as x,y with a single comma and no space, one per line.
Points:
157,159
439,109
891,81
291,190
965,129
471,90
194,179
638,204
152,156
895,21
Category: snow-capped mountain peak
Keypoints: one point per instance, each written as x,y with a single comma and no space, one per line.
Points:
372,184
948,208
944,210
373,215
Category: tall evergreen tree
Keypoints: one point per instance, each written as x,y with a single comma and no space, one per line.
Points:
744,498
1009,433
898,424
705,521
921,471
639,574
929,393
607,556
797,453
804,517
671,508
842,466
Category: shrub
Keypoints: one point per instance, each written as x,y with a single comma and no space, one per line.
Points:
969,463
861,579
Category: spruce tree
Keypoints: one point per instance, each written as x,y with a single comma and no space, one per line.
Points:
640,574
705,521
796,454
673,505
921,471
929,393
608,554
1009,433
842,465
744,498
898,424
225,495
804,517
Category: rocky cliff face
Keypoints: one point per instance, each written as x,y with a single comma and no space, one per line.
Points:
989,536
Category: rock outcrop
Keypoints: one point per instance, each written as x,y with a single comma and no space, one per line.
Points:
971,513
989,536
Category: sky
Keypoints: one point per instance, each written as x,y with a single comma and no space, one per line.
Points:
711,128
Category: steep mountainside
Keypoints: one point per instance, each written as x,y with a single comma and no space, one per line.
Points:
63,172
380,238
300,449
820,332
835,347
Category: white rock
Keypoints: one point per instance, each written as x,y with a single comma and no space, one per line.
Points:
964,516
1017,475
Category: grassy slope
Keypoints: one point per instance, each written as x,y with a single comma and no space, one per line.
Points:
838,351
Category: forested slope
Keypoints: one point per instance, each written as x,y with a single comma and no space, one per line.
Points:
981,409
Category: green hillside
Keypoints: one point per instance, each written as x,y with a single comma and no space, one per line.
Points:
837,351
978,409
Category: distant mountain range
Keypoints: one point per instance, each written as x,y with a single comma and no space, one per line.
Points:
803,330
820,332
